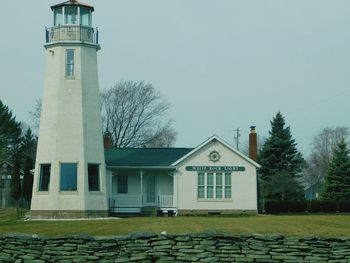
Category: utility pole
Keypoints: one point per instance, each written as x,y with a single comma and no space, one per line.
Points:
236,137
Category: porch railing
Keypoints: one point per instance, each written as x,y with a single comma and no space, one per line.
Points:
165,201
127,201
71,33
133,203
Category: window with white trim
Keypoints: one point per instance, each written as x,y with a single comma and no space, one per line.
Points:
214,186
69,63
122,184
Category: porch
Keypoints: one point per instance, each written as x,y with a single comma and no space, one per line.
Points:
142,192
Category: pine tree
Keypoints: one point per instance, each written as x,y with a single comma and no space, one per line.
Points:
28,145
281,163
337,181
28,151
10,133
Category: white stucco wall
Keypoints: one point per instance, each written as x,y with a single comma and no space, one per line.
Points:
70,130
244,184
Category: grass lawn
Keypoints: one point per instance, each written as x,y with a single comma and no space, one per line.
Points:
330,225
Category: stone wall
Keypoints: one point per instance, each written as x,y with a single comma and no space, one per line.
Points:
173,248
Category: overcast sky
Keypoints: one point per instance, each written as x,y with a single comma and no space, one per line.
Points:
221,64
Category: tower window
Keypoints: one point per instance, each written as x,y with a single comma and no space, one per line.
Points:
71,15
58,16
70,63
44,177
94,177
69,172
85,16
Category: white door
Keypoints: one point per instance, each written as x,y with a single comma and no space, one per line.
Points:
150,183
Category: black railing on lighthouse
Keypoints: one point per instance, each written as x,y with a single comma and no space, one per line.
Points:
71,33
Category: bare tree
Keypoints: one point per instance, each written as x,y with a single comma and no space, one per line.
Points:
323,146
136,115
35,116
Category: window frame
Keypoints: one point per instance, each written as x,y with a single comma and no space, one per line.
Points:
70,65
40,184
55,12
77,18
98,177
76,177
125,184
225,186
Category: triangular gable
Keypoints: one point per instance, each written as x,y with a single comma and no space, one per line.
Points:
215,137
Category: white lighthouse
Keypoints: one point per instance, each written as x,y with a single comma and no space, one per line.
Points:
70,168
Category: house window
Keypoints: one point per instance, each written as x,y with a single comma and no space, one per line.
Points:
214,186
228,185
122,184
2,183
94,177
69,172
201,185
44,177
218,186
70,63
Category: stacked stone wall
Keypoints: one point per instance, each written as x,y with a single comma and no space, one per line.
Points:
147,248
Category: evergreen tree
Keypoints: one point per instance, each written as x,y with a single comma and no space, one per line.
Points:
28,151
337,181
16,180
10,134
28,145
28,181
281,163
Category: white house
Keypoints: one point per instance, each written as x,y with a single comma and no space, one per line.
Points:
76,177
211,178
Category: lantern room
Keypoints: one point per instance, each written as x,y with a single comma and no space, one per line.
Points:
72,13
72,21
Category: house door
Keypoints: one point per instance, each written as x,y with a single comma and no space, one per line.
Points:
150,190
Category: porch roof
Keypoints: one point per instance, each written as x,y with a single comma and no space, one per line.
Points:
144,157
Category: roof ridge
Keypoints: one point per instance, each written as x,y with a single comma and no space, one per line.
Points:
147,148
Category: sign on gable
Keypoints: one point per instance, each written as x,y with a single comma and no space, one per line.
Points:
215,168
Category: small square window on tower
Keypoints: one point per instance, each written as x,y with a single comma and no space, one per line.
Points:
70,63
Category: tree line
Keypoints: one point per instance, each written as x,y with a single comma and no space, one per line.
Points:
285,173
17,148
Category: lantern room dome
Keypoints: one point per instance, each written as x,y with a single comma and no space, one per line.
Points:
72,3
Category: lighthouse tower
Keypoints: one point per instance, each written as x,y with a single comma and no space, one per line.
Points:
69,180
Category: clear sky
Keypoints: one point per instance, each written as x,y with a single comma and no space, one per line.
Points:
221,64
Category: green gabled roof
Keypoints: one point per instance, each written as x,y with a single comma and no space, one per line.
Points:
144,157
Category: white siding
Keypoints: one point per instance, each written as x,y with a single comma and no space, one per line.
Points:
244,184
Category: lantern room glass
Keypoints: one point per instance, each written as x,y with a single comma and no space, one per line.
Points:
71,15
58,16
85,16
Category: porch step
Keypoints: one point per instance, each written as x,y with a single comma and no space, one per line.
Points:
149,211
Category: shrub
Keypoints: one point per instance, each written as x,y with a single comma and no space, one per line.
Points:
344,206
329,206
313,206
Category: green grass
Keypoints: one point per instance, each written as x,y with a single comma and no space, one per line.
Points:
328,225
